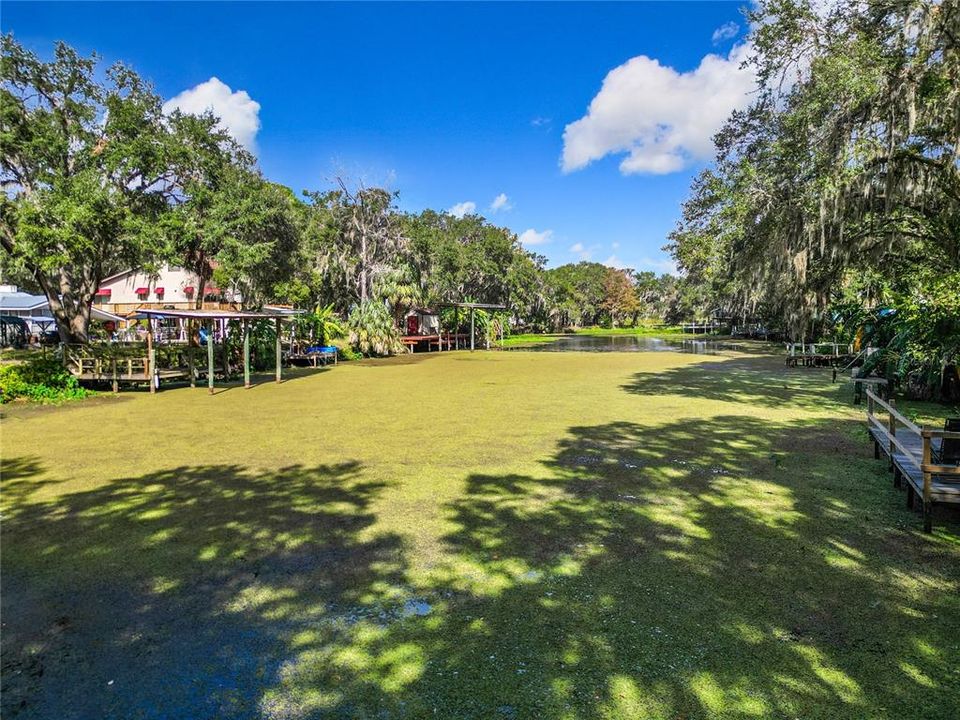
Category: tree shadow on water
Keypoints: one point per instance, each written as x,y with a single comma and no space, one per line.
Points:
180,593
739,568
755,380
729,568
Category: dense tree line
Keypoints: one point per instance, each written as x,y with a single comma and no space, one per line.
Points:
834,205
97,179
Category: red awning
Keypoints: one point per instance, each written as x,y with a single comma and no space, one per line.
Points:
158,291
142,291
188,290
104,292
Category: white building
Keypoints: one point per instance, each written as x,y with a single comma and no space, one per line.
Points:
170,287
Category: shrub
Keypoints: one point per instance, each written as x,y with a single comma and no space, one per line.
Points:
345,352
39,379
373,331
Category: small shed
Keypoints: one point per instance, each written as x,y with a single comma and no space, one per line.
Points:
422,321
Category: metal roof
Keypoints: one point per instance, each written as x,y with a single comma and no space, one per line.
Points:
98,314
145,313
478,306
21,301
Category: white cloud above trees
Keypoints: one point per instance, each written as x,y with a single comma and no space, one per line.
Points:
501,202
531,237
239,113
462,208
661,119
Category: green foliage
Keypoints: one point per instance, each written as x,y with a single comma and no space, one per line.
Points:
352,236
847,169
321,325
39,379
373,331
82,161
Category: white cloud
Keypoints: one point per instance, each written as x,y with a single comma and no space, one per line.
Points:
614,262
662,119
239,114
583,252
462,208
615,245
531,237
541,121
726,31
501,202
659,265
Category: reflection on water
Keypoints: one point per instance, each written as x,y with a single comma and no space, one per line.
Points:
628,343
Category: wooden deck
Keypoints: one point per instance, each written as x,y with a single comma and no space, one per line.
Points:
913,454
818,355
452,341
87,366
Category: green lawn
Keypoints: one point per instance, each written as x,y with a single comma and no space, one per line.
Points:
488,535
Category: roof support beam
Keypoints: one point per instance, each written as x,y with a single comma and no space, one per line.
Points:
278,348
246,353
210,355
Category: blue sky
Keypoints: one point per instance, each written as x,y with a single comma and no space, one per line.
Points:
591,118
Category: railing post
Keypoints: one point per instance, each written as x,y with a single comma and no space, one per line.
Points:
892,427
927,482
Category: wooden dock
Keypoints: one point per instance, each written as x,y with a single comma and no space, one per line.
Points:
914,454
695,328
818,354
118,367
452,341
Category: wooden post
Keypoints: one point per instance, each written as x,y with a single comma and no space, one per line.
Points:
471,330
246,353
456,326
190,361
226,351
927,480
150,358
892,427
278,348
210,356
116,384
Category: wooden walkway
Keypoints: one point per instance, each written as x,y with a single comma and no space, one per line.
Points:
818,355
914,455
90,367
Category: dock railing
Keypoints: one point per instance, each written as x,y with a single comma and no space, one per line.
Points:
914,454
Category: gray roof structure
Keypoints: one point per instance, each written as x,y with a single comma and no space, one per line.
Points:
19,300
